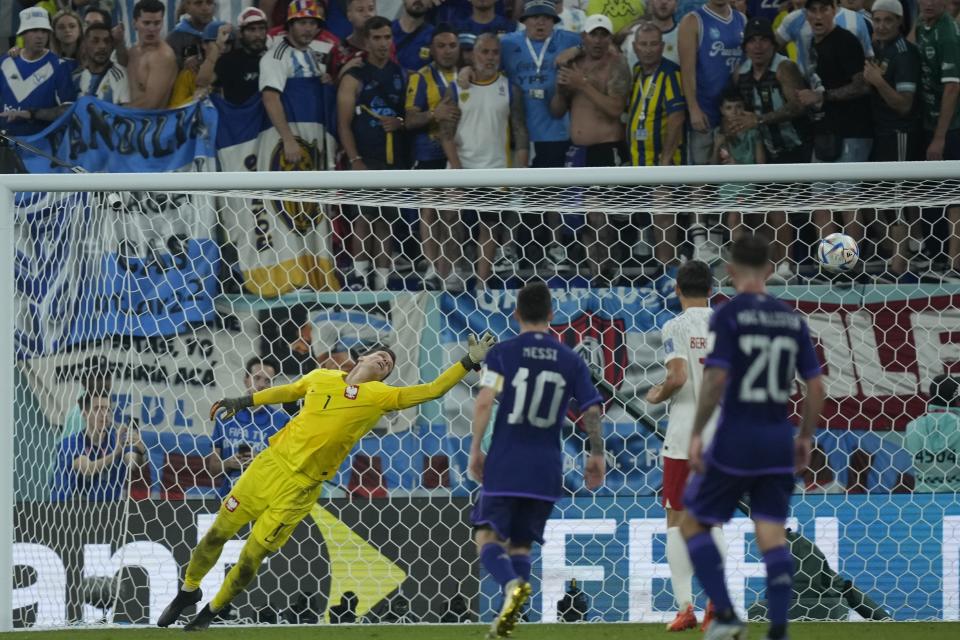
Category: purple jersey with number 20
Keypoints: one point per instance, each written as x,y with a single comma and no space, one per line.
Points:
763,344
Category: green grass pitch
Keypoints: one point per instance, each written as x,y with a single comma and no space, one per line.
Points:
801,631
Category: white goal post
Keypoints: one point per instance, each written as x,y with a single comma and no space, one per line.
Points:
872,381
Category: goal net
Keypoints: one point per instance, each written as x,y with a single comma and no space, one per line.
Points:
140,300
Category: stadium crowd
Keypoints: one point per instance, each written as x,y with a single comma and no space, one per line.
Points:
429,84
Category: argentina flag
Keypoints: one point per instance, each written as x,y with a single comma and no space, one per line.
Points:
282,245
145,265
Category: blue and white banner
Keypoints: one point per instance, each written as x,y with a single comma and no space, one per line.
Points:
281,245
144,263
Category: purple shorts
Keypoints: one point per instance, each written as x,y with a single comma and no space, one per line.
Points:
519,520
712,497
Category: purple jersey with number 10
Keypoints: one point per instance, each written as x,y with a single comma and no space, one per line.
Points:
536,376
763,345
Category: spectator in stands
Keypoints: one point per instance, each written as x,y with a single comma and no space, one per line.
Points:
467,42
34,86
92,464
844,134
426,110
218,40
351,48
894,77
99,76
529,60
152,66
572,18
237,72
298,56
656,116
732,145
95,15
795,29
769,83
276,34
938,38
413,35
491,118
661,14
370,122
67,38
709,43
186,39
237,440
934,438
594,88
484,19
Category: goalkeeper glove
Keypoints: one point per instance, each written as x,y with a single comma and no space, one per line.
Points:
477,350
229,407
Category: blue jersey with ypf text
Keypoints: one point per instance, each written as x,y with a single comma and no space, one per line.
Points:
537,376
763,344
718,56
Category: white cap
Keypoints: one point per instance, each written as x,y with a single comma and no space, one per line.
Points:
34,18
597,21
890,6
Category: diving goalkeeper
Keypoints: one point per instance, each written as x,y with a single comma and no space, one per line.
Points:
282,484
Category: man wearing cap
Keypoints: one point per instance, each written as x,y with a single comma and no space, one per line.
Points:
33,85
769,84
186,39
151,63
237,72
276,34
298,56
529,60
412,35
934,438
594,88
98,76
894,77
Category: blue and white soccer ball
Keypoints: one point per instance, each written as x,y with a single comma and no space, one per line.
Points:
838,252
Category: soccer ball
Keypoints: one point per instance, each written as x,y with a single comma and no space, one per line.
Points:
838,252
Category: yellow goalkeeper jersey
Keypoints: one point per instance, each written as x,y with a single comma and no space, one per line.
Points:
335,415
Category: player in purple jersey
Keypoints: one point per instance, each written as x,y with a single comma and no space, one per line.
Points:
757,345
534,377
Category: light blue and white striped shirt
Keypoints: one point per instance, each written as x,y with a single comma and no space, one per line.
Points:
796,29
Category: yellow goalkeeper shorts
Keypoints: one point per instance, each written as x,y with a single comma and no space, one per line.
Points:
267,494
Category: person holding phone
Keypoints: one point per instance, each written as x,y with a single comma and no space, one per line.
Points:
237,440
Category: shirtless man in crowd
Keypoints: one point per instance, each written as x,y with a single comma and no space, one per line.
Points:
594,88
152,65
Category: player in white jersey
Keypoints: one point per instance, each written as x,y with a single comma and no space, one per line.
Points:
685,347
